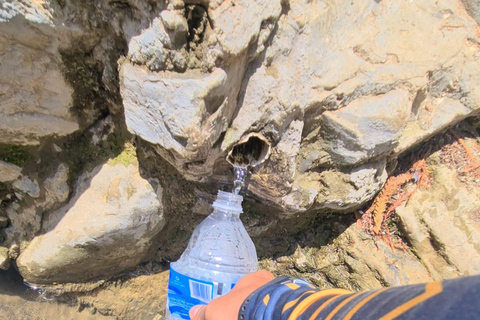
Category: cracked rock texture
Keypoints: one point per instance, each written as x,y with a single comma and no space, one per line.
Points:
354,97
116,118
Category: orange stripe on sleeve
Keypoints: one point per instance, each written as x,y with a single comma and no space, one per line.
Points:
293,302
302,306
341,305
360,304
323,306
431,289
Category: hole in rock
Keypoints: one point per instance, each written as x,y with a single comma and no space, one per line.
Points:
251,152
197,18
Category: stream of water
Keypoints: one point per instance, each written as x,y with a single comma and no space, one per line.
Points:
239,174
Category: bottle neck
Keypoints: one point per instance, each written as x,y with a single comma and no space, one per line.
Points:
227,202
220,214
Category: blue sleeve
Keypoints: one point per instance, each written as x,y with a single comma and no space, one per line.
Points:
293,299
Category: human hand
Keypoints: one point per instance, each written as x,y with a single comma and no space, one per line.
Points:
228,306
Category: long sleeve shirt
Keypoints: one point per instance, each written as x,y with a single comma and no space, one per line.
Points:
294,299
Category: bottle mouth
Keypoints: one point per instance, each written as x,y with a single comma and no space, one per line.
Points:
228,201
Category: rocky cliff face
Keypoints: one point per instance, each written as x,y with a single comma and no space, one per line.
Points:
118,120
345,102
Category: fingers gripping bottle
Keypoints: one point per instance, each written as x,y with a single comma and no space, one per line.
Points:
219,253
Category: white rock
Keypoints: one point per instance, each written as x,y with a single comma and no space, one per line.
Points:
27,186
183,113
36,101
174,21
4,259
56,187
107,228
56,148
337,81
433,116
148,48
365,128
237,26
9,171
34,11
443,221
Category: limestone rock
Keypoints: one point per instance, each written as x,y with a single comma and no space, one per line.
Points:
185,113
25,222
433,116
144,295
4,258
28,186
107,228
56,187
439,226
392,268
338,190
442,219
26,217
176,111
9,171
358,97
365,128
151,47
14,251
239,24
353,261
348,190
36,100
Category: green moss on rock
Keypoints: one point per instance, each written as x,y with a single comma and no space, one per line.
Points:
126,157
14,154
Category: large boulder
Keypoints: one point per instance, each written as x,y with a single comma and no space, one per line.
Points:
36,98
184,112
58,73
366,128
339,99
107,227
439,228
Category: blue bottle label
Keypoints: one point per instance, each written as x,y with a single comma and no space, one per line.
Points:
185,292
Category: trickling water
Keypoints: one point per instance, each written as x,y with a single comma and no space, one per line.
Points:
239,174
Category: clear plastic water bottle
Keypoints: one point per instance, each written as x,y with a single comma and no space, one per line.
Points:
219,253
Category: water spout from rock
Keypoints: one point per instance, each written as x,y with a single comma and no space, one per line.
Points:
239,175
252,150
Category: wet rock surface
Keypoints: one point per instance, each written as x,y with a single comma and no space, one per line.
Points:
20,302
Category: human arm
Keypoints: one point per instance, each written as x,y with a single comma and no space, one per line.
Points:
292,299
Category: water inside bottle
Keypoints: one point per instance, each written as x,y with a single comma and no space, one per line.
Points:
220,252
